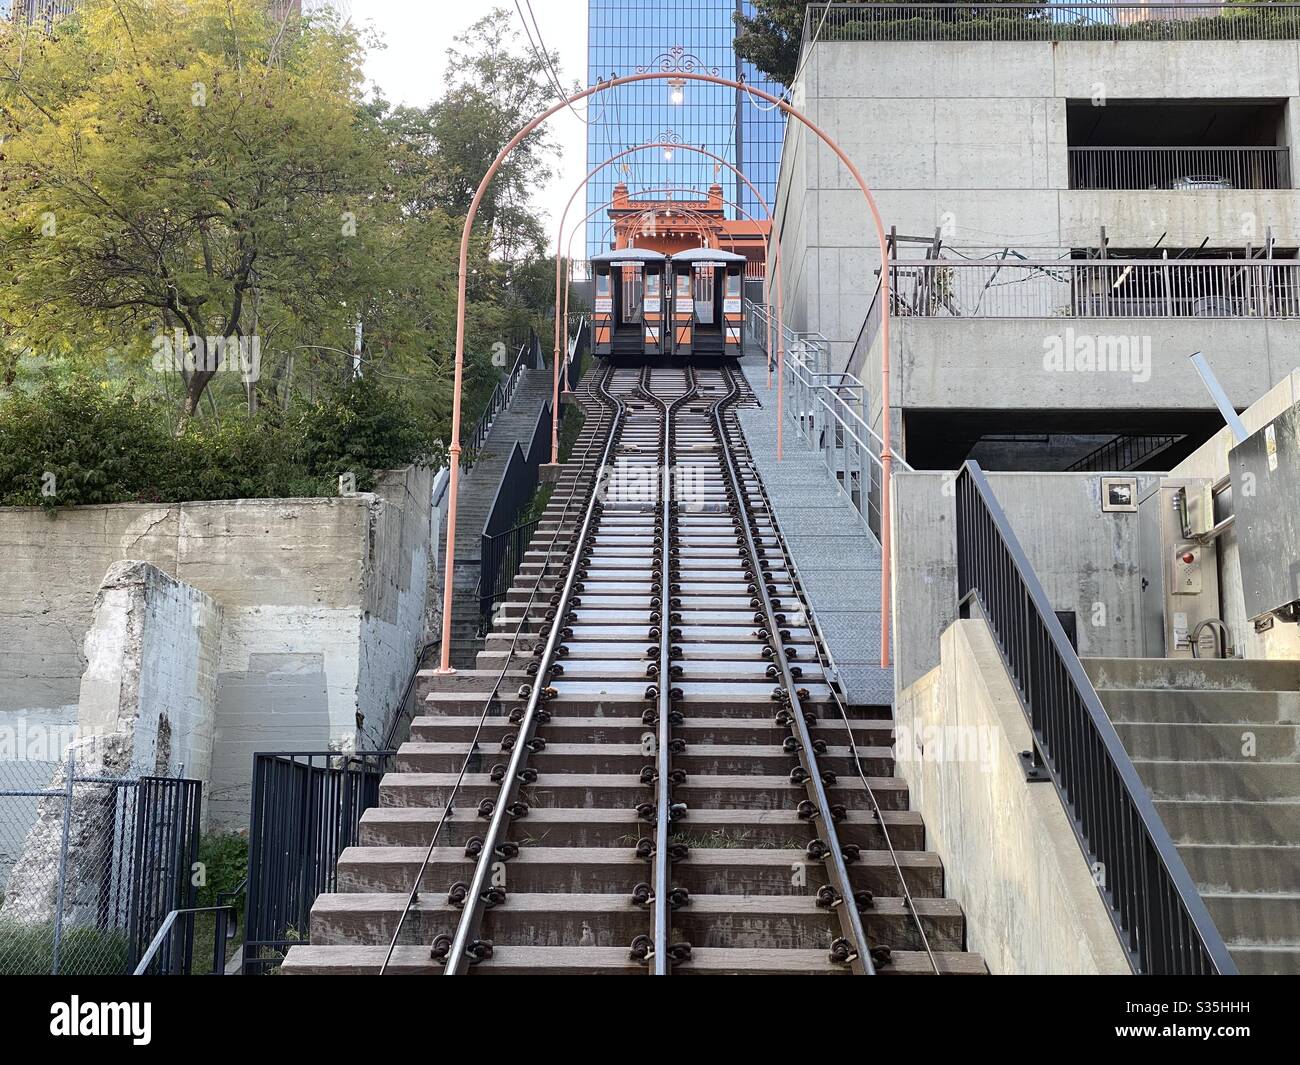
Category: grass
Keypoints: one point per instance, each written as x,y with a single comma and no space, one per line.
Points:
205,940
28,950
733,839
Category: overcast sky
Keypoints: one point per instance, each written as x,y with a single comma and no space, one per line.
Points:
410,68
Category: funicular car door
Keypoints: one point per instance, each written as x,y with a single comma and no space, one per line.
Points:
653,310
732,310
603,311
683,316
704,310
633,293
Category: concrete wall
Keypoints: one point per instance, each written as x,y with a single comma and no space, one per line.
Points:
149,693
987,162
322,612
396,598
1010,856
1002,364
1088,561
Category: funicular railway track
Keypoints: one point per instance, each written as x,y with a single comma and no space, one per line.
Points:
649,772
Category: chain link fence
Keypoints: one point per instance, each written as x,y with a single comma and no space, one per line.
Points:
91,863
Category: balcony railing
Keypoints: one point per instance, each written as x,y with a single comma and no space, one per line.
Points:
1114,288
1180,169
1052,22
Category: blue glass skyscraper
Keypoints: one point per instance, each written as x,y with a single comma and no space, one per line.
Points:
627,36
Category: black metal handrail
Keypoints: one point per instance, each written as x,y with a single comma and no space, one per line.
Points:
504,539
529,357
581,349
1160,917
405,709
1122,453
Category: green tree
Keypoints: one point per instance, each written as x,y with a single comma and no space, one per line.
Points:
192,166
181,165
771,37
494,86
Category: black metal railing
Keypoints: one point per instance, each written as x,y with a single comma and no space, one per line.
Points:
1160,917
1180,169
171,952
505,538
1122,453
581,349
528,357
407,707
306,810
1051,22
502,556
94,877
166,848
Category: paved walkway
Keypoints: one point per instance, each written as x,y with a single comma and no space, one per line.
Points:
837,556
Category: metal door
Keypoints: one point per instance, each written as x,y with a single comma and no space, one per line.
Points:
704,295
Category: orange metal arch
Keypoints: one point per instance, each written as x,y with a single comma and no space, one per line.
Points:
462,294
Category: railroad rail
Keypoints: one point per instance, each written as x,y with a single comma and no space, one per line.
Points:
652,770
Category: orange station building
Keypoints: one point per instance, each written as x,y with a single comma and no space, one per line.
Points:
676,225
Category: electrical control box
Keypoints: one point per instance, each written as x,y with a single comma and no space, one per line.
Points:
1180,575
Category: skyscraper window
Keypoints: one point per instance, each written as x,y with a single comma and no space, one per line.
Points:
627,35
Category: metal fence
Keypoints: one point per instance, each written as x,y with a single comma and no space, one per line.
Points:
1094,288
809,348
1157,912
1051,22
306,809
528,357
579,350
505,538
1123,453
829,410
1183,169
90,865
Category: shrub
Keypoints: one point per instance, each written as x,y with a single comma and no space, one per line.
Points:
224,856
80,443
359,428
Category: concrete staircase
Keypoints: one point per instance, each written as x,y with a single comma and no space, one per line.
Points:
478,488
1217,744
837,557
572,885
